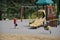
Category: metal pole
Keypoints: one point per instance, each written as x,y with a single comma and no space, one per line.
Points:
0,15
46,11
57,16
21,13
37,10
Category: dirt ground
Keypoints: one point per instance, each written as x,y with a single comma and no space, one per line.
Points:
26,37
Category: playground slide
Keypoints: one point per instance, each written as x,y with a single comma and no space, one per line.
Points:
38,22
35,21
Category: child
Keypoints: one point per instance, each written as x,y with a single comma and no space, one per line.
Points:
46,27
15,24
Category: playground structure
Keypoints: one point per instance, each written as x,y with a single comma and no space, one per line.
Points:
49,13
54,19
49,17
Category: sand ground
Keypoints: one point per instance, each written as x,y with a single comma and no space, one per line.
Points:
24,33
26,37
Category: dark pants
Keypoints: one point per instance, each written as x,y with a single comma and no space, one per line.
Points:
15,24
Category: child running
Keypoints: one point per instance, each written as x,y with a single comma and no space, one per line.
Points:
46,27
15,24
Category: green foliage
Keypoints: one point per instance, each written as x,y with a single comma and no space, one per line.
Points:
55,1
33,15
12,8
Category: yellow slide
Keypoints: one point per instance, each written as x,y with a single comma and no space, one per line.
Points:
38,22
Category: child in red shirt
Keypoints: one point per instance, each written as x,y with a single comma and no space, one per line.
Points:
15,20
